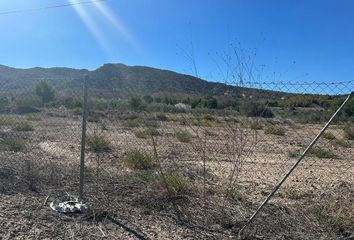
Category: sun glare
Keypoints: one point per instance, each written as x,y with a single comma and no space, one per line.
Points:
116,23
109,16
90,24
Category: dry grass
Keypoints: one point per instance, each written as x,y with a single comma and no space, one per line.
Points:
23,127
329,135
137,195
275,130
138,159
12,144
323,153
349,132
98,143
184,136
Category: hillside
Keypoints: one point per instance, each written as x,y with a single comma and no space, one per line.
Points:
124,80
15,78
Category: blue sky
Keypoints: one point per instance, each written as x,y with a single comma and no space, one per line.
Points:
294,40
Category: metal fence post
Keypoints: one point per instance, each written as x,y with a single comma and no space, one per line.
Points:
83,139
293,167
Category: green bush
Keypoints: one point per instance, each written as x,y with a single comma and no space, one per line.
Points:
45,90
349,132
148,99
72,102
328,135
296,126
176,182
4,102
162,107
151,124
23,127
275,130
12,144
135,103
256,125
252,109
210,118
343,143
322,153
33,117
184,136
313,116
201,122
77,111
161,117
147,133
332,218
145,176
209,102
293,154
138,159
27,103
233,193
134,123
98,143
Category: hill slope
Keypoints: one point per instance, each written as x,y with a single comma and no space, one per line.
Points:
124,80
16,78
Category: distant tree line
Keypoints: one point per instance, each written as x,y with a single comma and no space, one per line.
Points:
44,94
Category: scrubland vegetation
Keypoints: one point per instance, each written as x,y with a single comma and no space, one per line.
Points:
193,165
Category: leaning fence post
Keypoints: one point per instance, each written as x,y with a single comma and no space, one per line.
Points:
83,139
293,167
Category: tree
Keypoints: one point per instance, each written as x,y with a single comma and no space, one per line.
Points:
210,102
148,99
135,103
28,103
4,102
45,90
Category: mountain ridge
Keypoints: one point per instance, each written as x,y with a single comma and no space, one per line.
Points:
128,79
123,79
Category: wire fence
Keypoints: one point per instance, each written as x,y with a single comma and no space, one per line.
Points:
175,166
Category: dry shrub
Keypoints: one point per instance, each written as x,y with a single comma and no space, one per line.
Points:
146,133
176,182
30,174
256,125
161,117
349,132
275,130
7,121
23,127
12,144
322,153
184,136
343,143
98,143
138,159
335,211
328,135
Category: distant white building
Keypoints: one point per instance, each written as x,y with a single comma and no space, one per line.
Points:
183,106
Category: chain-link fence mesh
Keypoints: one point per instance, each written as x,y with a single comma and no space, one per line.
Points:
171,166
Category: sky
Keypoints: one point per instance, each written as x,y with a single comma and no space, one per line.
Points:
286,40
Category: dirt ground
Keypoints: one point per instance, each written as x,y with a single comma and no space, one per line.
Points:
316,202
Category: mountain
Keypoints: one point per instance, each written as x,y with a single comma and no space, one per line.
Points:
16,78
121,79
146,80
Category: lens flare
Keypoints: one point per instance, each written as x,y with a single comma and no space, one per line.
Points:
116,23
91,25
109,16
